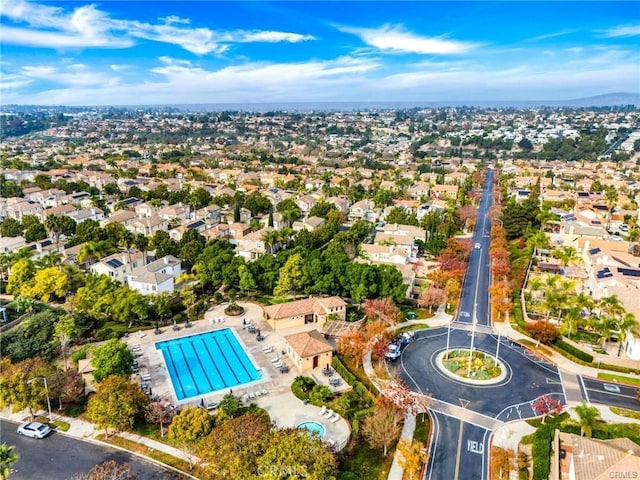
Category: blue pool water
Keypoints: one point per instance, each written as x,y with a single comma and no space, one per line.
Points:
205,363
313,427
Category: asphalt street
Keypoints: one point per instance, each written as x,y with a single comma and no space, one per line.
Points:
474,299
471,443
59,457
594,390
528,377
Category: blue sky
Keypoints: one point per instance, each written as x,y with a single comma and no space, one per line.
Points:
168,52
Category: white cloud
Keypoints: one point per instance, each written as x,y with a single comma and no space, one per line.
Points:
550,35
623,31
395,39
272,37
88,27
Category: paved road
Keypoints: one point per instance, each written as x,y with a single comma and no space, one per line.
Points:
471,443
59,457
474,299
594,392
465,415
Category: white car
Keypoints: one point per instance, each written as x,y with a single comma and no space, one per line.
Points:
477,246
611,388
34,430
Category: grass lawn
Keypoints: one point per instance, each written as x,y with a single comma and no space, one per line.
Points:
421,433
366,462
161,457
619,378
411,328
623,412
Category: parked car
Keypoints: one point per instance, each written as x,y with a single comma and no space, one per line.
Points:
398,344
611,388
34,430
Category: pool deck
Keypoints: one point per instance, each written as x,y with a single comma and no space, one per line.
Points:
284,408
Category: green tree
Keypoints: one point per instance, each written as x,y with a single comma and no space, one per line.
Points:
231,450
129,306
22,272
21,385
588,418
230,405
65,330
626,325
96,296
93,251
292,453
7,458
116,403
247,283
270,237
566,255
47,284
10,228
291,276
190,426
112,358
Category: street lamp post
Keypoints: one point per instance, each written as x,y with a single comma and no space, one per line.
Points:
46,391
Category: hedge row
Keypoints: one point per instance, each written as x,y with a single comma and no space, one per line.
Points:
576,352
541,452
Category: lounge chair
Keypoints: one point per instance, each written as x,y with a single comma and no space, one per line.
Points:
329,413
266,347
245,397
323,410
140,334
279,364
221,319
264,391
332,443
252,395
276,360
335,419
268,350
145,376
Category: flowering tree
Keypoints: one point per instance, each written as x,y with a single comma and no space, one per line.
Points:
546,405
382,309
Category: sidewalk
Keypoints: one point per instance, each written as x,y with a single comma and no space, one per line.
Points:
86,431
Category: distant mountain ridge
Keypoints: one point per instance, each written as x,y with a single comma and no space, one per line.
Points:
599,101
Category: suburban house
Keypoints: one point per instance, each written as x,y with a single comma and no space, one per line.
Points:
308,350
252,245
384,254
580,458
148,225
11,244
118,265
155,277
445,191
309,223
301,312
362,210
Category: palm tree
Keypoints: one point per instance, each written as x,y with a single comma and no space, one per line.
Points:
270,238
537,241
91,251
7,458
566,255
127,240
50,259
589,418
611,306
141,242
626,325
572,320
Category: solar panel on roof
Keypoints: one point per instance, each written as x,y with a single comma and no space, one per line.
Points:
197,224
594,251
604,273
114,262
629,272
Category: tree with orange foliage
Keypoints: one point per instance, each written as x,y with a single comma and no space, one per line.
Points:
383,426
432,296
382,309
353,345
500,298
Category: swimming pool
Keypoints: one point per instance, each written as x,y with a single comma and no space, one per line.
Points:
313,427
207,362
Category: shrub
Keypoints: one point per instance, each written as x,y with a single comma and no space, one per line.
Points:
79,354
576,352
541,452
543,331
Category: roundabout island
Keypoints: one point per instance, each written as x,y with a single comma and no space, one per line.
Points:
473,368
